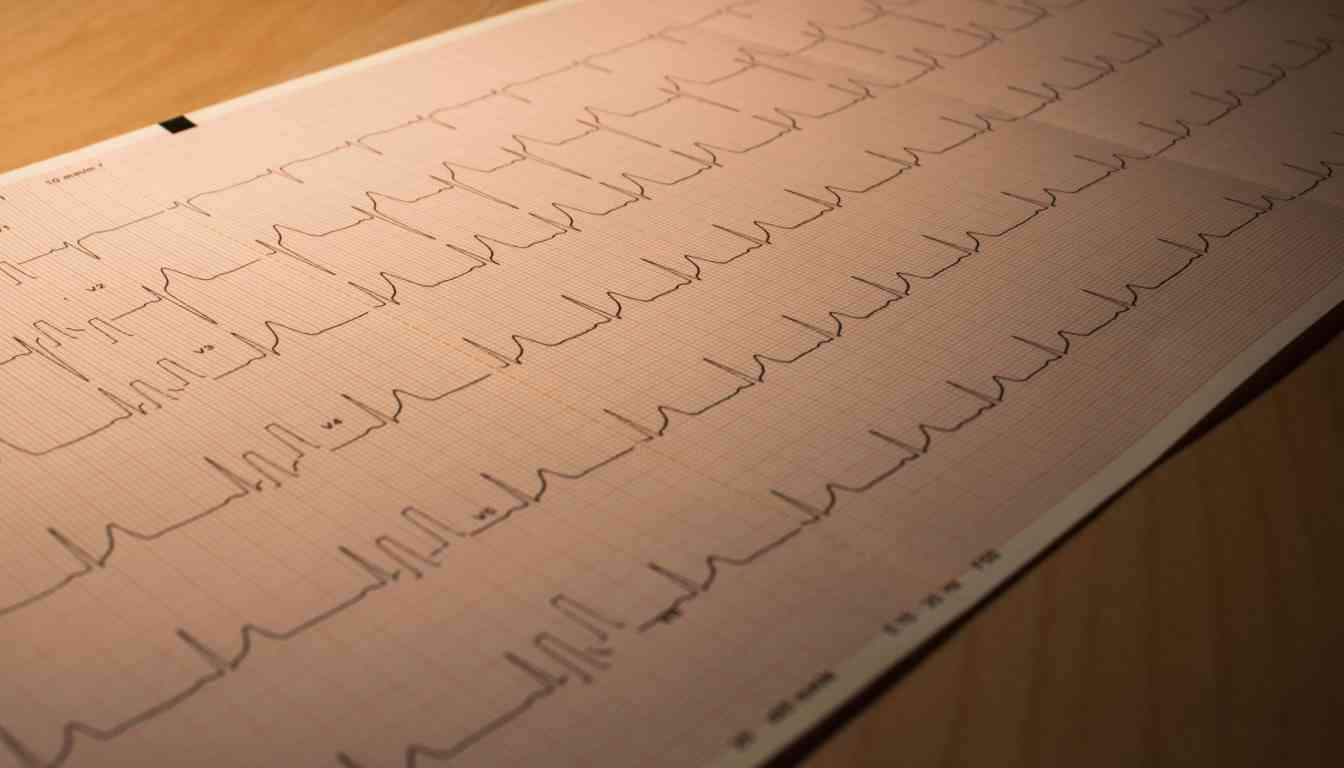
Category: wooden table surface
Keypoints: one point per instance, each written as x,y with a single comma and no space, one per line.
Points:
1197,620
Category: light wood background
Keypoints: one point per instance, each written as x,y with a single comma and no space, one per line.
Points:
1197,620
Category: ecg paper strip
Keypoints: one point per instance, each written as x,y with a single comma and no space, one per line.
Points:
624,383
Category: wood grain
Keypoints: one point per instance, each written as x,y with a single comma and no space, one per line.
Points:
1196,621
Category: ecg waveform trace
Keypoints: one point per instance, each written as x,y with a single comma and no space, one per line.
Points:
497,402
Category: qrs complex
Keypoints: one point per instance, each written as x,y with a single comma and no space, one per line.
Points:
792,277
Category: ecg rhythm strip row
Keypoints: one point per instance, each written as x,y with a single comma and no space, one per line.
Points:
409,559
